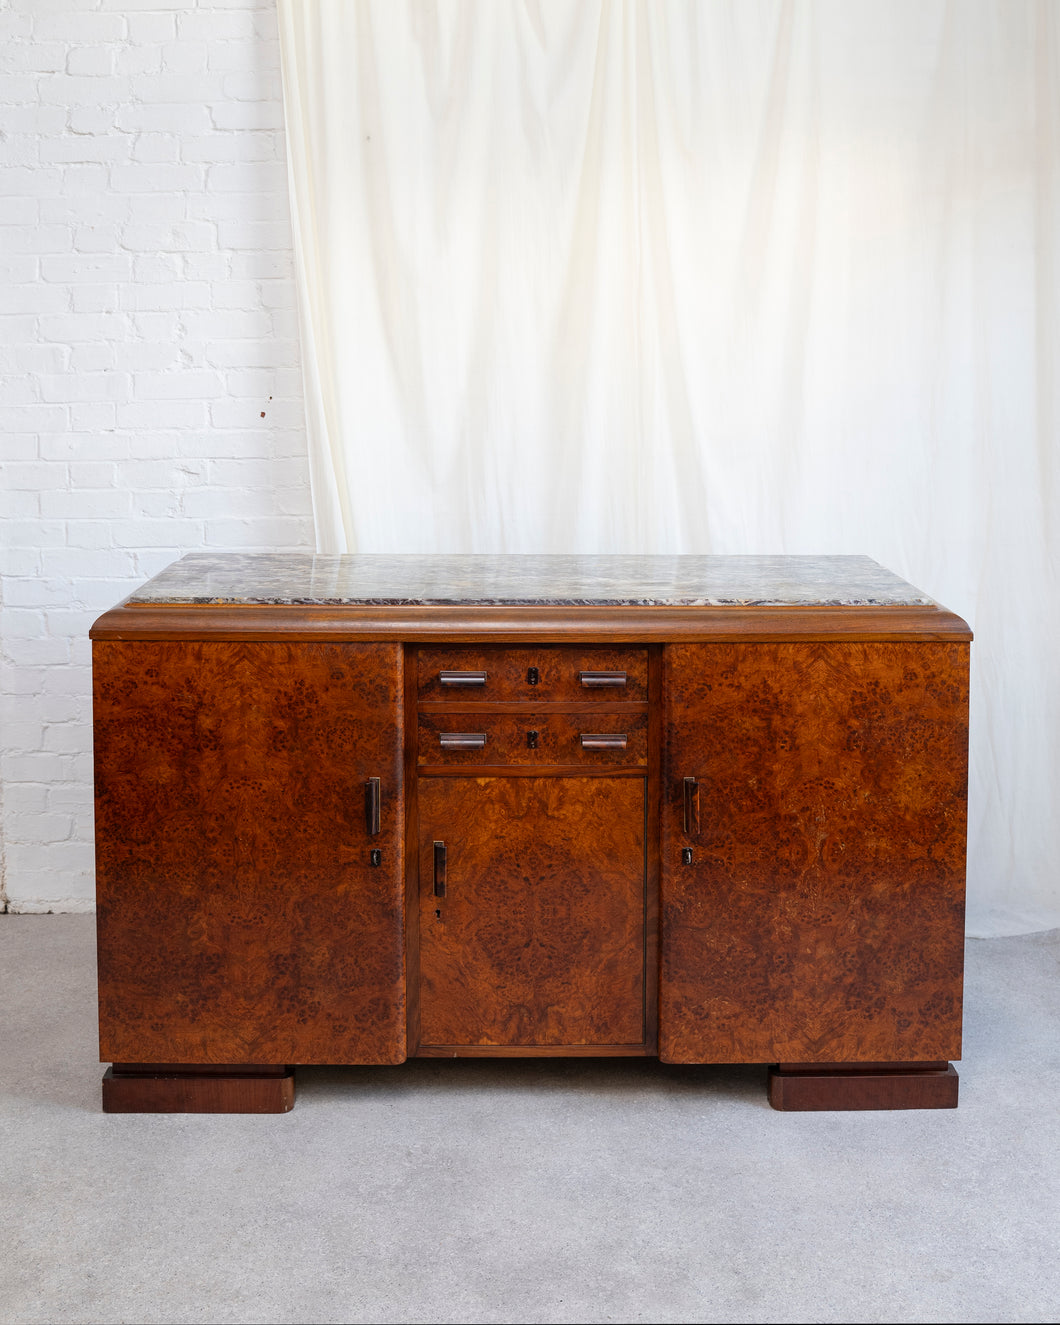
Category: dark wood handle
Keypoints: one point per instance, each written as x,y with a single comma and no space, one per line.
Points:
596,679
462,678
373,799
691,807
439,869
604,740
462,740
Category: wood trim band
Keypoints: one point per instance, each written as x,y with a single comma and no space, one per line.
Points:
533,1051
606,707
526,625
504,770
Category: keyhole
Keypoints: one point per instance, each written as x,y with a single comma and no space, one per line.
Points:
531,740
531,676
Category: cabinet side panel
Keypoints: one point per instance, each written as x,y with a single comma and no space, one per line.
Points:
239,918
822,916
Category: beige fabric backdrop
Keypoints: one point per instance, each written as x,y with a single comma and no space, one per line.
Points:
705,277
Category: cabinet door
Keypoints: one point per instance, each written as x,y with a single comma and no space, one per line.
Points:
821,918
239,917
534,936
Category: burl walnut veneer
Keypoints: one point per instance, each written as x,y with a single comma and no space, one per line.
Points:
353,809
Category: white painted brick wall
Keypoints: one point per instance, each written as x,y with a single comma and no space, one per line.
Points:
150,387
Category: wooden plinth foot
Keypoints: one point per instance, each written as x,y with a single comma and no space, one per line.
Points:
197,1088
809,1086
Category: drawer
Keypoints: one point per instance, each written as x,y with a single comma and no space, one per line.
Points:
548,674
587,739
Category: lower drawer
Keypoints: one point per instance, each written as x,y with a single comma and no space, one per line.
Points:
474,737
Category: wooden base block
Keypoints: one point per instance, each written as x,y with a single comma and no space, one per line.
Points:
810,1086
186,1088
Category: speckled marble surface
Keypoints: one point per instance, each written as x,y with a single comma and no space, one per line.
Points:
605,581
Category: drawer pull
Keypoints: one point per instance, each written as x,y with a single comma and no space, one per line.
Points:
462,740
439,869
594,680
372,800
462,678
691,807
604,740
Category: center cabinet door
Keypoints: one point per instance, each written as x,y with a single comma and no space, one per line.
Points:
532,912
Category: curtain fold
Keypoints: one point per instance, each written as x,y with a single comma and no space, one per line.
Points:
704,277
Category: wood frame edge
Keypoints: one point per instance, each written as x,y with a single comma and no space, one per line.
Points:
523,625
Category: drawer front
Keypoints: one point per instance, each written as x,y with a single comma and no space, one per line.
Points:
550,673
587,739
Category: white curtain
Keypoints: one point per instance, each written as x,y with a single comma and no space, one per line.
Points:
705,277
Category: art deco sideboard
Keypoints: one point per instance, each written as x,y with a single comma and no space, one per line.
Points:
351,810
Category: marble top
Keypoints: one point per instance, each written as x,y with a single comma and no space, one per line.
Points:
526,581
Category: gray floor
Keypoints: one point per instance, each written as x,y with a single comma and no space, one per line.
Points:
527,1191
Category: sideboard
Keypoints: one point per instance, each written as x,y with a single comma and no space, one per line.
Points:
351,810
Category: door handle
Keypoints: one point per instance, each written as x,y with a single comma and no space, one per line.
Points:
593,680
462,678
462,740
604,740
439,869
691,807
373,798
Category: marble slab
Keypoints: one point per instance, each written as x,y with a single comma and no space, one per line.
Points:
524,581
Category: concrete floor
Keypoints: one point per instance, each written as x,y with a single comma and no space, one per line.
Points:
528,1190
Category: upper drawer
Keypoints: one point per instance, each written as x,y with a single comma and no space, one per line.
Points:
548,673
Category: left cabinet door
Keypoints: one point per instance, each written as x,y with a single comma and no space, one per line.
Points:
240,917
